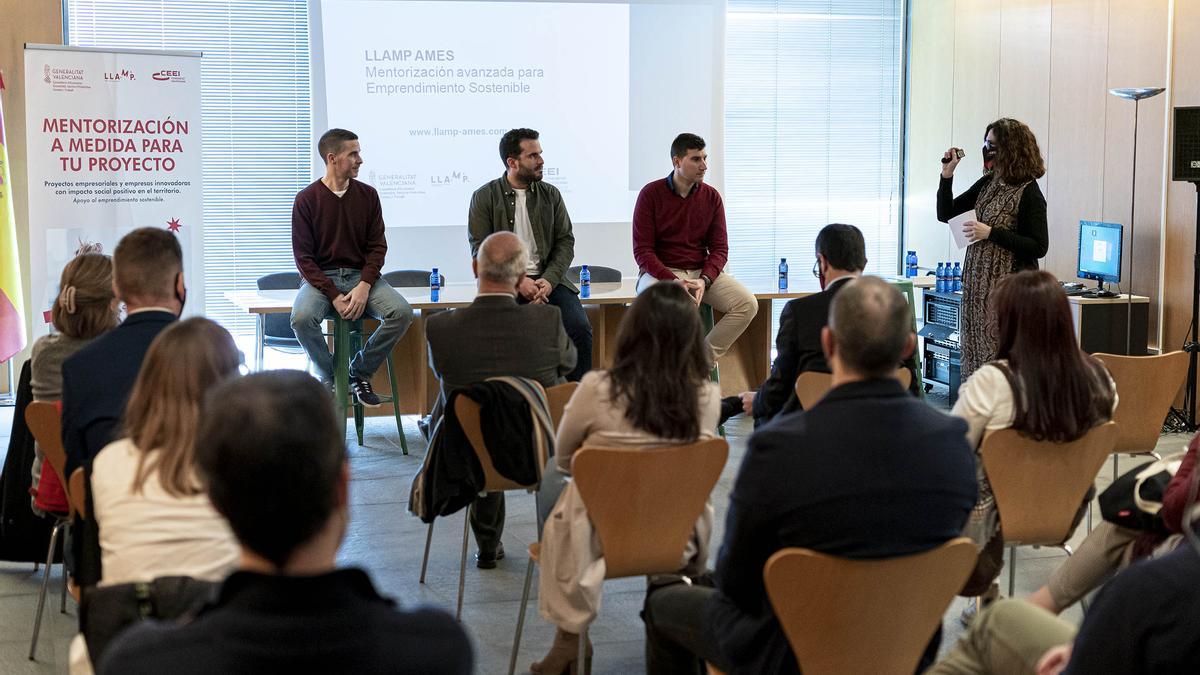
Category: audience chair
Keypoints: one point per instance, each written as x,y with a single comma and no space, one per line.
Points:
468,412
812,386
621,487
348,339
45,424
557,398
276,329
600,275
411,278
1146,386
1040,485
864,616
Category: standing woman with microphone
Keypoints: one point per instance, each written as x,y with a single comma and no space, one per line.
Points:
1009,233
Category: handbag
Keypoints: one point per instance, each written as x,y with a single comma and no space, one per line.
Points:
1134,499
106,611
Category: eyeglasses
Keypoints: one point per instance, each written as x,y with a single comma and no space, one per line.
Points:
816,269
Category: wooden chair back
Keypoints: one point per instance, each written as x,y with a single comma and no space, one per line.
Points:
45,423
77,493
812,386
644,503
557,397
1039,485
864,616
468,411
1147,386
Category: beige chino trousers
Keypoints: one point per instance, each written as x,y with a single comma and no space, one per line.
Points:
726,295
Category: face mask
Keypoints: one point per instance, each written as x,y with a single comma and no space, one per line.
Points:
989,156
181,297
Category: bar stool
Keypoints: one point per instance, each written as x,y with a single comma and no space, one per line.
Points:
708,321
348,340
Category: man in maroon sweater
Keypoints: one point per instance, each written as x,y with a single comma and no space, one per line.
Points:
339,246
679,235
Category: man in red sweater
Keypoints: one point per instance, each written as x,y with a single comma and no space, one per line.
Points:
339,246
679,235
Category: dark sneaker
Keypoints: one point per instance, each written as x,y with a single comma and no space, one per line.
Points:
487,561
363,392
730,406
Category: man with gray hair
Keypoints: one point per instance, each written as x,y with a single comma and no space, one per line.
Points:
868,472
493,337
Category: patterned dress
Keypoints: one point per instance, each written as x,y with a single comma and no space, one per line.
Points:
986,261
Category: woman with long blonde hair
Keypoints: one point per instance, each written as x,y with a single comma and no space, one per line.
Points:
154,517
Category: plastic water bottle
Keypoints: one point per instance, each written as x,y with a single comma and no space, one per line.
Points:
956,275
940,278
585,282
783,269
435,285
910,264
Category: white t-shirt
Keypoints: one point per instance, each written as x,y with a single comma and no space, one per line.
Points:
524,231
152,533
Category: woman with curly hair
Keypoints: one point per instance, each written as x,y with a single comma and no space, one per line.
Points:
1009,234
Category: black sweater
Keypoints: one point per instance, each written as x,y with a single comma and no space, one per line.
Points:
1028,240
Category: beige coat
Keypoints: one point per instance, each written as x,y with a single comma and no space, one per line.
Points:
570,584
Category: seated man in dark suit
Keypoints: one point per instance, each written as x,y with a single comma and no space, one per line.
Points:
869,473
841,256
496,336
148,278
274,463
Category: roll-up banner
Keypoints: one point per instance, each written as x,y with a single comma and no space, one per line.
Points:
113,145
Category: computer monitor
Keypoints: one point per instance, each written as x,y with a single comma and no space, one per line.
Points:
1100,252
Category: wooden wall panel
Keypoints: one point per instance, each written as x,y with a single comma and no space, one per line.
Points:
1137,57
22,21
1024,82
976,72
929,124
1075,149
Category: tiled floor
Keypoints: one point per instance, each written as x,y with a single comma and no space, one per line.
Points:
388,542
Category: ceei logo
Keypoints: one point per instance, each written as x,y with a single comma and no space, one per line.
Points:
168,76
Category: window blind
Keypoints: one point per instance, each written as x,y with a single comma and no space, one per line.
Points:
257,144
812,130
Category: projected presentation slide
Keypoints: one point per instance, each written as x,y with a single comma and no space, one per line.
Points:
430,87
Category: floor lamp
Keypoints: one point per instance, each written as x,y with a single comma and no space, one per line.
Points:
1135,94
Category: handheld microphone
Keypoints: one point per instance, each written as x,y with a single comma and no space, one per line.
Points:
957,152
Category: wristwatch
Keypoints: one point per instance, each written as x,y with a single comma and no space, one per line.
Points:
707,281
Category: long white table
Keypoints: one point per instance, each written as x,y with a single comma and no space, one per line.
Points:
744,367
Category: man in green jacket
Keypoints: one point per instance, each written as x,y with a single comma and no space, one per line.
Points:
521,203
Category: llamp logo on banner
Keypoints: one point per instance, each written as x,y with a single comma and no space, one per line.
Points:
119,75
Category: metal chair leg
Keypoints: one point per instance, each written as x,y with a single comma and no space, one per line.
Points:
582,663
37,621
425,560
396,404
1012,570
512,661
62,601
462,567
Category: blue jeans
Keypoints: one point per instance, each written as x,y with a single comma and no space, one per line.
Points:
578,328
311,308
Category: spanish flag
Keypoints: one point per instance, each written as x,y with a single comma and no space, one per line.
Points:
12,314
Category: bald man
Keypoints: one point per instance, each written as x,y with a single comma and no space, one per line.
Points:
493,337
